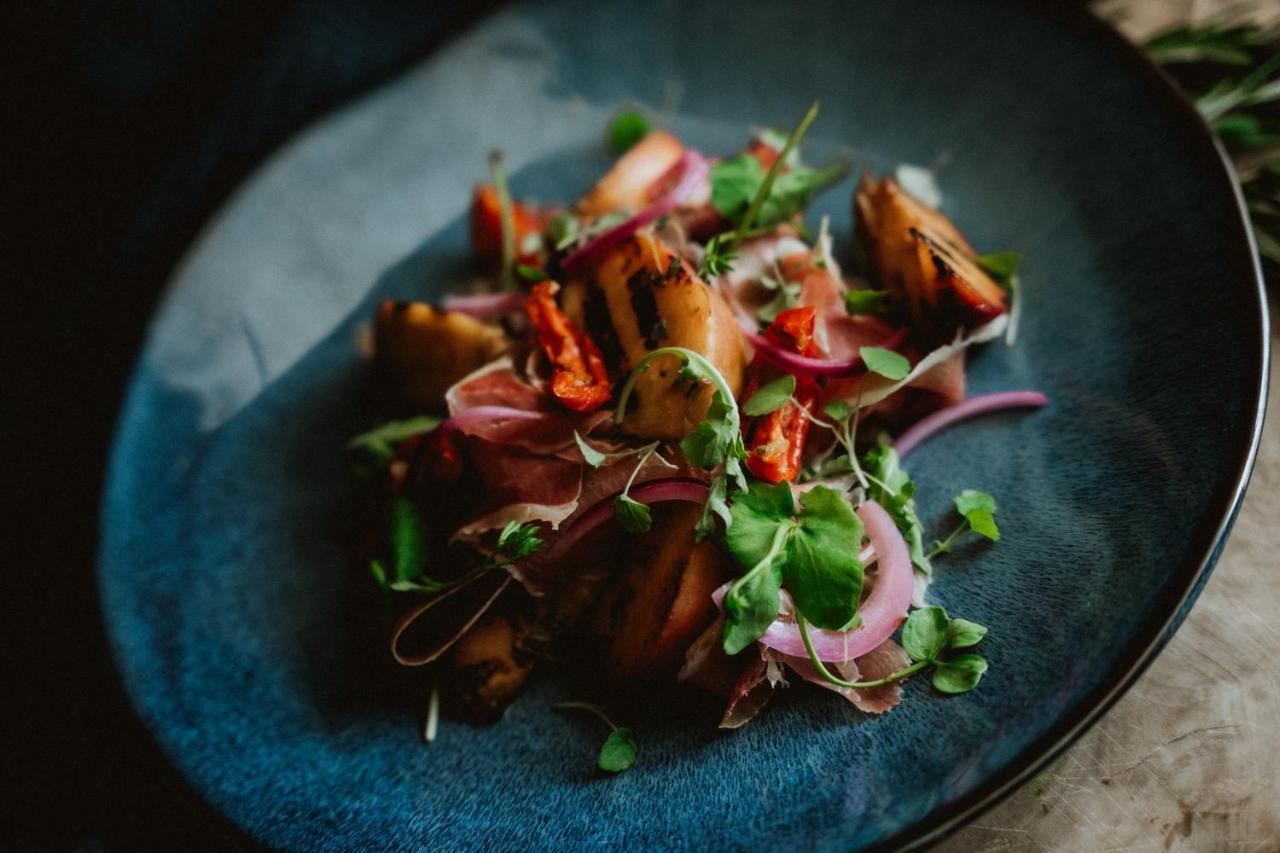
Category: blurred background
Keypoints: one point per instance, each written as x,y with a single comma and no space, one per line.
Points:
138,119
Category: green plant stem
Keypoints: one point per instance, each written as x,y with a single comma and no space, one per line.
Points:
589,708
766,186
945,545
707,367
840,682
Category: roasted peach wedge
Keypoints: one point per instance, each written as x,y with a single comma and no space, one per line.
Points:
636,177
919,254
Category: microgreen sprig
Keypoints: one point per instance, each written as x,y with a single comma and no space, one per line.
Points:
631,515
619,749
927,633
978,509
716,443
408,546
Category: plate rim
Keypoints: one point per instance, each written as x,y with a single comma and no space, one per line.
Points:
1208,541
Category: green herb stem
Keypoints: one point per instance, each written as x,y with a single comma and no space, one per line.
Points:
589,708
944,545
840,682
766,186
708,369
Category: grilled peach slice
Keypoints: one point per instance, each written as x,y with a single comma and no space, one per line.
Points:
918,253
423,350
654,299
631,183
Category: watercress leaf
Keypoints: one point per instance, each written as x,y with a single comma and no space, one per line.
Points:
593,457
632,515
886,362
379,573
771,396
563,230
756,513
960,674
1002,266
863,302
881,461
961,634
979,509
837,410
378,444
984,524
408,540
734,183
627,128
791,192
925,633
821,569
751,606
618,752
717,505
517,541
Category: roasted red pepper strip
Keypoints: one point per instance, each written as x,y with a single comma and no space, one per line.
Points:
776,446
580,380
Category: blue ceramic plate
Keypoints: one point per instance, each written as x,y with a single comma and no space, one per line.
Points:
224,560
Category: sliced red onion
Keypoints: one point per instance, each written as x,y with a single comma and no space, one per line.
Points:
652,492
484,306
881,613
983,403
804,366
487,414
693,171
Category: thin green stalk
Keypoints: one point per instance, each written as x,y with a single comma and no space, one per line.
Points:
840,682
766,186
506,274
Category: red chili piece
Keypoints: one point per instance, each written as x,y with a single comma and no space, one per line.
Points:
580,380
776,441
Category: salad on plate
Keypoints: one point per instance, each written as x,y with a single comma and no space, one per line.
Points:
662,437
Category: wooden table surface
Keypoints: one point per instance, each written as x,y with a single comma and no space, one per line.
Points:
1189,759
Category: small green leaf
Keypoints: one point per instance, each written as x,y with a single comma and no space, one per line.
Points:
530,273
632,515
563,230
627,128
379,573
593,457
925,633
517,541
618,752
859,303
1002,266
837,410
750,608
961,634
378,444
885,362
960,674
821,568
771,396
408,540
979,509
733,184
719,256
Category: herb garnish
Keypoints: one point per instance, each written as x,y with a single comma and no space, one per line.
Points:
771,396
626,129
506,278
886,362
812,551
858,303
531,273
563,230
379,444
619,749
926,634
633,516
892,488
785,295
745,194
978,509
408,551
719,256
716,443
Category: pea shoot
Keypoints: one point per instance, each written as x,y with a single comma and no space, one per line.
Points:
618,752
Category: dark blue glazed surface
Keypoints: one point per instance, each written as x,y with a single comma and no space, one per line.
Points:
224,563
